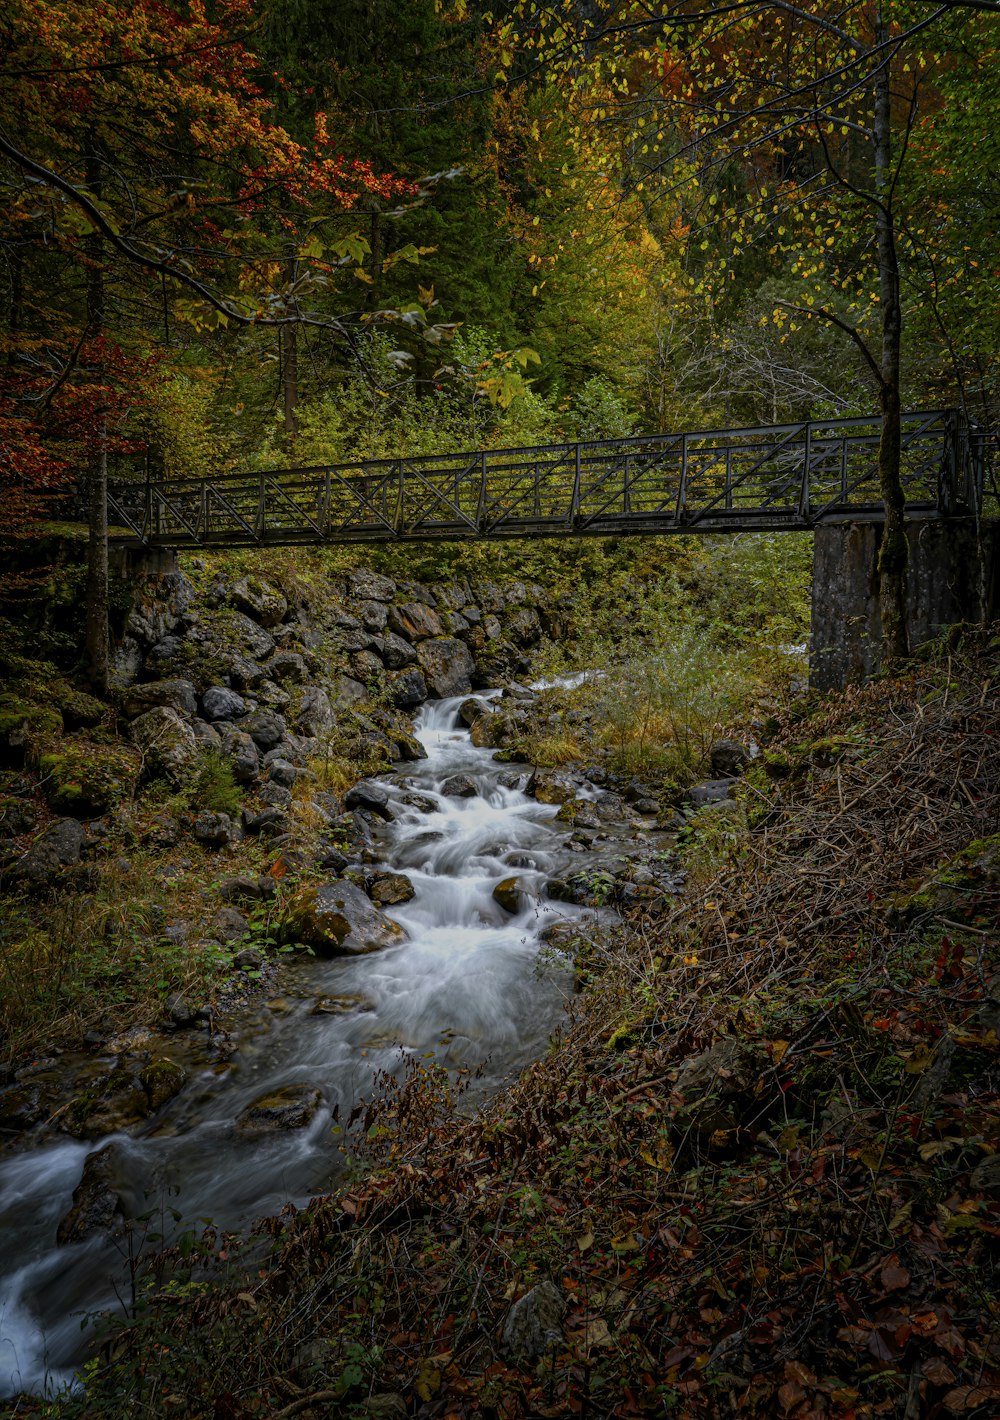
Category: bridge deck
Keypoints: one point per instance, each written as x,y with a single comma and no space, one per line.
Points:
785,477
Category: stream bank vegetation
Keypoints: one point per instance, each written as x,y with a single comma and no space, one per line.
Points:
757,1174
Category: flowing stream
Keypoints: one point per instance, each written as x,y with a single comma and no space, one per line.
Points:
467,987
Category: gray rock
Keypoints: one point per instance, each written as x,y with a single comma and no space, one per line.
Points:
266,728
282,773
553,786
252,639
373,615
347,691
371,796
178,695
366,666
167,744
266,605
447,666
314,714
59,847
215,830
267,824
408,689
220,703
415,622
396,653
229,925
16,818
986,1174
244,756
287,666
728,758
179,1011
709,791
370,586
534,1323
523,625
241,888
244,673
207,736
249,959
276,795
21,1106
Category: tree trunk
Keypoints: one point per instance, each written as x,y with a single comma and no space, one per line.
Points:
97,634
290,367
894,553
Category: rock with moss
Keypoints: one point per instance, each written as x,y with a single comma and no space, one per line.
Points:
167,744
175,694
86,779
260,600
24,729
447,666
17,817
50,857
111,1103
79,710
339,919
162,1079
292,1107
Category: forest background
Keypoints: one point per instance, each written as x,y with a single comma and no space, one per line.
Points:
260,234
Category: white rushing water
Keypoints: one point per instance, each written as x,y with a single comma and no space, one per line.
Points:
466,987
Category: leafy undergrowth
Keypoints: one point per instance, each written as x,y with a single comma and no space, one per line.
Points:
760,1166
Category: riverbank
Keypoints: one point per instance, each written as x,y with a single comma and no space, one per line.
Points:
758,1175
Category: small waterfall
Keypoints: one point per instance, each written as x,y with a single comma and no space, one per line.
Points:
467,986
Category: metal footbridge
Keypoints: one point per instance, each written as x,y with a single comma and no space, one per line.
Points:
785,477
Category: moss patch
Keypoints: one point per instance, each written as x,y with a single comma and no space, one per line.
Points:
82,778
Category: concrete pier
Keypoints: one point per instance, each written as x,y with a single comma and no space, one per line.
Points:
954,575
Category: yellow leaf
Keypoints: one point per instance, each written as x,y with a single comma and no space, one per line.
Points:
428,1381
585,1241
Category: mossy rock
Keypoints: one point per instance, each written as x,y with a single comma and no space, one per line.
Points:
162,1079
79,709
24,728
85,780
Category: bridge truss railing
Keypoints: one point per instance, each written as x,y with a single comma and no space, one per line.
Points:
787,476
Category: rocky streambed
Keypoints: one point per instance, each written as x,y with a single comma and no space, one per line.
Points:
428,940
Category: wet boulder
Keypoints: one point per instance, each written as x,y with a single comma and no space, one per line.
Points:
291,1107
508,895
553,786
110,1103
339,919
472,709
162,1079
97,1201
388,889
460,786
447,666
167,744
